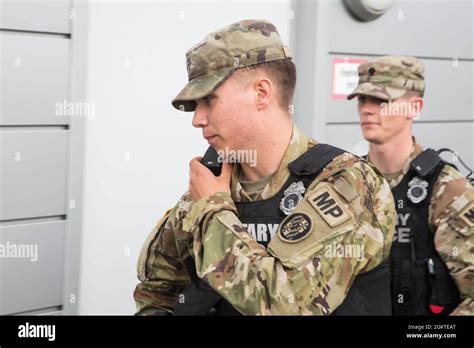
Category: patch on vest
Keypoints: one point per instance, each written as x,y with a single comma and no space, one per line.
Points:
329,206
295,227
467,215
292,196
417,190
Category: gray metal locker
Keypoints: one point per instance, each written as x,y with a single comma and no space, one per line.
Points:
34,79
42,56
35,281
33,179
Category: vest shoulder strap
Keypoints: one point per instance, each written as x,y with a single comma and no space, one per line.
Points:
315,159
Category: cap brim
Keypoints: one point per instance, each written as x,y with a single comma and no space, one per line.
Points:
200,87
377,91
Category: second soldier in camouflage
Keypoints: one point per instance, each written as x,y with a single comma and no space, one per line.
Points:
432,259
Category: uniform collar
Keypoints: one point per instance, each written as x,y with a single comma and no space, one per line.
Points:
415,151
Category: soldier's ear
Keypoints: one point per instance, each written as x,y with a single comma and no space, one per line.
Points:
417,105
264,92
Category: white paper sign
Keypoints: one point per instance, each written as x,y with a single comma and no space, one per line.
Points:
345,76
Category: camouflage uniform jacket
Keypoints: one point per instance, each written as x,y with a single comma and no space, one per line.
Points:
310,276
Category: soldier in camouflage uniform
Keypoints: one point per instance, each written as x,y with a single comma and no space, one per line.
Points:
432,258
322,218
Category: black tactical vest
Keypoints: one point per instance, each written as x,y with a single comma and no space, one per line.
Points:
370,292
421,284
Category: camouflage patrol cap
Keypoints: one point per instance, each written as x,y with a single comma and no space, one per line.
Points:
210,62
390,77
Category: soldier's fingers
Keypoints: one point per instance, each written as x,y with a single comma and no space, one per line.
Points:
194,164
192,160
226,171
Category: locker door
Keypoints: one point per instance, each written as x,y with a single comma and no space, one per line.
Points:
36,68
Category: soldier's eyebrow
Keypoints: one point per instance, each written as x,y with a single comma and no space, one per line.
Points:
379,100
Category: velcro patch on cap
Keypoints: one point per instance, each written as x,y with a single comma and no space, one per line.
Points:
329,206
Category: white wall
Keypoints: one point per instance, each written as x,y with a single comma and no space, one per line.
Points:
136,66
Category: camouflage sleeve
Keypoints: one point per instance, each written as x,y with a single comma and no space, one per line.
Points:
162,263
452,215
343,226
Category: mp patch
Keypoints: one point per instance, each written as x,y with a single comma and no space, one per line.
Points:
295,227
330,208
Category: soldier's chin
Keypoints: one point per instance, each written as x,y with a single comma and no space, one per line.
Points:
218,145
371,136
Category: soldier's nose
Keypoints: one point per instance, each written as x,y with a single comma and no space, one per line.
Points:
200,115
368,109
